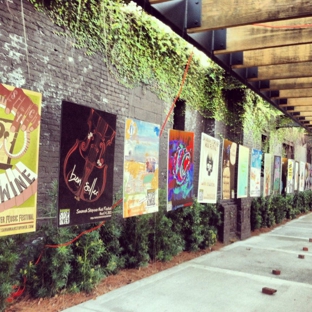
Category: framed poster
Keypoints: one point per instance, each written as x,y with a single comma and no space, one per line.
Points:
19,149
243,171
290,176
301,176
296,176
180,176
277,175
208,169
255,173
86,165
228,169
141,159
267,174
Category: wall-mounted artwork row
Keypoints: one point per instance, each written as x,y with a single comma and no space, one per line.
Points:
86,165
141,168
243,171
180,174
19,149
208,169
228,169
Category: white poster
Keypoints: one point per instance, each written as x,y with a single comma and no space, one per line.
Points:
208,169
267,176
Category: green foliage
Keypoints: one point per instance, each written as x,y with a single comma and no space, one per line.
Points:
112,259
138,49
86,270
197,225
164,243
50,276
134,241
255,213
273,209
9,259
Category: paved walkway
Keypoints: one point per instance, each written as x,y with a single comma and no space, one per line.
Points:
227,280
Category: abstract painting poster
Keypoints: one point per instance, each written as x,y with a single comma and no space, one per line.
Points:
180,174
243,171
19,148
301,176
284,175
267,174
141,160
255,173
208,169
296,176
277,174
228,169
290,176
86,165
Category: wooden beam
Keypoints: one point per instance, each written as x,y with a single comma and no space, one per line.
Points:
269,35
306,114
290,83
273,56
294,93
307,108
298,102
224,13
294,70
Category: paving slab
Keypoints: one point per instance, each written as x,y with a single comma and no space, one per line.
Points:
227,280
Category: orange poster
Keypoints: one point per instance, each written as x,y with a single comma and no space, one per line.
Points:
19,150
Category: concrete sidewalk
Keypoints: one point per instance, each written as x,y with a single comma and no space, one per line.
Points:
227,280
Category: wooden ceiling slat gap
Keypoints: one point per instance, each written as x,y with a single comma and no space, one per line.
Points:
294,83
273,56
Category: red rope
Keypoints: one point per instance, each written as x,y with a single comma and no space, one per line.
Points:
178,95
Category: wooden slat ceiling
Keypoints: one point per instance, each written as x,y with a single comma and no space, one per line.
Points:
266,44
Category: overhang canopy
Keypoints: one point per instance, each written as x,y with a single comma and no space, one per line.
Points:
266,44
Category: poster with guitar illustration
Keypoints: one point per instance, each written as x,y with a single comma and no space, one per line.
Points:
19,149
180,176
86,165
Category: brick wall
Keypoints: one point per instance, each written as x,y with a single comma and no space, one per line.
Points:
48,64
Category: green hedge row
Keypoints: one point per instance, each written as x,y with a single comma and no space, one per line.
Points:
271,210
119,243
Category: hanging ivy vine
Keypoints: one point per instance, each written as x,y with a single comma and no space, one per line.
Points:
138,49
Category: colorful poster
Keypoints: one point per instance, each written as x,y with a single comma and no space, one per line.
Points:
19,148
242,175
141,160
290,176
267,174
180,169
255,173
301,176
284,175
277,173
86,165
208,169
228,169
296,175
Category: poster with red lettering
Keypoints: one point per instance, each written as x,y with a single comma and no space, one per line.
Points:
86,165
19,149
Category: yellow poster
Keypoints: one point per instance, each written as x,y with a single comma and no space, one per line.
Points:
19,149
